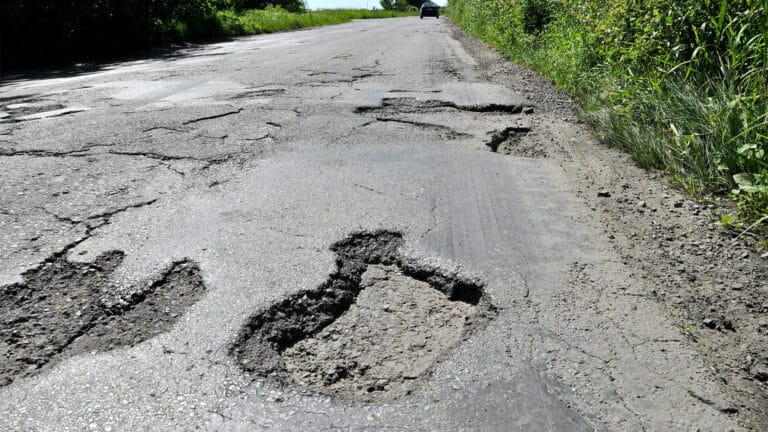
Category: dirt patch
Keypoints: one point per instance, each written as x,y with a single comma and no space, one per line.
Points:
60,311
371,331
712,281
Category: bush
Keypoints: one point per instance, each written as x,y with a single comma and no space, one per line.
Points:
35,32
537,14
680,84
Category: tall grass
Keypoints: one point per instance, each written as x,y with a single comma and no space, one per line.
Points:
679,84
273,19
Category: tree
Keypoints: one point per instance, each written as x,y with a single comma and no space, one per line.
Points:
387,4
289,5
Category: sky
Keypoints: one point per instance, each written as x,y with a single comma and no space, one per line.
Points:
351,4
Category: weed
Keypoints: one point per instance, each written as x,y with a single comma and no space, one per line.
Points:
273,19
729,222
688,332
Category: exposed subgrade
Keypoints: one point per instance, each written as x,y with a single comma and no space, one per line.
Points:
372,331
512,141
63,309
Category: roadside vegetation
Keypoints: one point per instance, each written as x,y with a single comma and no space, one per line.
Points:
34,33
274,18
682,85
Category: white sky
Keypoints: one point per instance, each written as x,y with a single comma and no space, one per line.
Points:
351,4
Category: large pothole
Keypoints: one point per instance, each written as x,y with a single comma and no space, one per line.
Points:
59,312
372,331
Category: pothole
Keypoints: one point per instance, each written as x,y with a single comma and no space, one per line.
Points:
408,105
510,141
372,331
34,109
58,312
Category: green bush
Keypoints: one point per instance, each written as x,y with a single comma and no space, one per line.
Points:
537,14
680,84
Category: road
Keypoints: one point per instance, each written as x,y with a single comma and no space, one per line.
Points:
246,178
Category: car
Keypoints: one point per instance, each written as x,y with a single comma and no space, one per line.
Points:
429,9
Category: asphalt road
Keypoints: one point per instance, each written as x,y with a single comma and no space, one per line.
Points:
248,159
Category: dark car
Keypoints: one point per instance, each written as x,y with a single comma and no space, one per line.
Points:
429,9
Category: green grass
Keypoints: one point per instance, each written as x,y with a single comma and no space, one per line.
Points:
275,19
681,85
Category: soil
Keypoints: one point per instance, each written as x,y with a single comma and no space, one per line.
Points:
369,333
59,311
712,281
392,334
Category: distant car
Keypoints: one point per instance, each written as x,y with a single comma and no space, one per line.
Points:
429,9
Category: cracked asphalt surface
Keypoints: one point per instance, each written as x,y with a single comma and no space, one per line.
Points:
251,158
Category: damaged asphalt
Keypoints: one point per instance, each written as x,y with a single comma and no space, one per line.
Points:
249,163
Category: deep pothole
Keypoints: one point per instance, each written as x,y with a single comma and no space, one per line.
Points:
409,105
59,311
372,331
511,141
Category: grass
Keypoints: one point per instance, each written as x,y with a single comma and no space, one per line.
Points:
274,19
680,85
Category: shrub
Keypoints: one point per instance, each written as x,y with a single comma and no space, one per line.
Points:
680,84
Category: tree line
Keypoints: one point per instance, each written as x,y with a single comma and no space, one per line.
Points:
401,5
34,32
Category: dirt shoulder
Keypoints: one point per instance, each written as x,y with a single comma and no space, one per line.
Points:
711,282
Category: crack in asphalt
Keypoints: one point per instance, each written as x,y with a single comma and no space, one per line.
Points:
81,152
108,214
105,219
46,153
367,188
260,138
214,116
168,128
443,131
207,162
